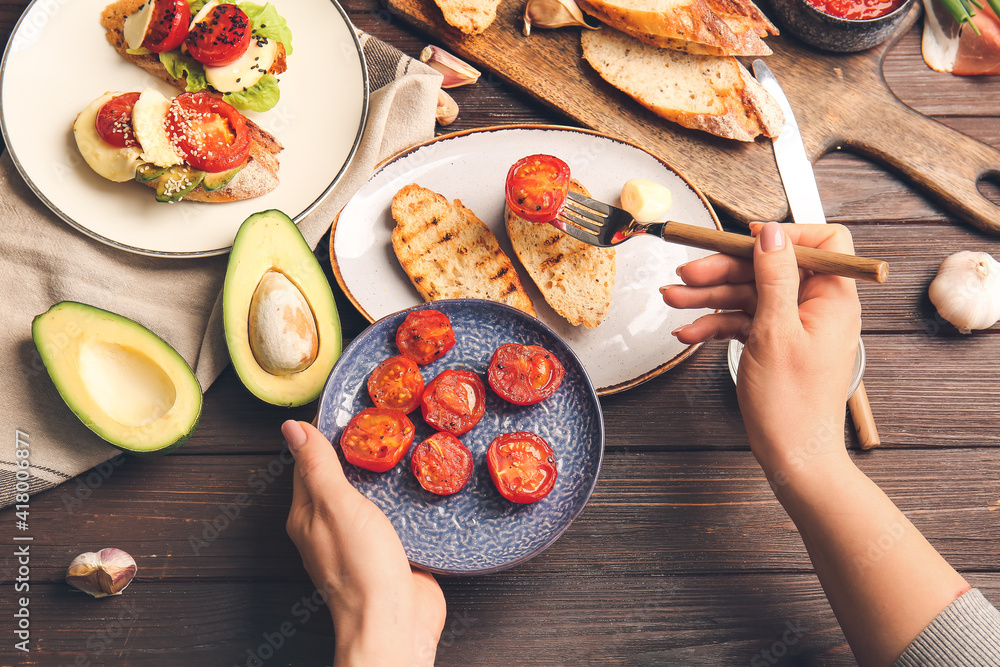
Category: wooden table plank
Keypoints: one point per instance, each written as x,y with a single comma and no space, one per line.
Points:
222,517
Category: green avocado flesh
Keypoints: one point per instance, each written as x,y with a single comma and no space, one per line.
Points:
269,243
177,181
214,181
122,381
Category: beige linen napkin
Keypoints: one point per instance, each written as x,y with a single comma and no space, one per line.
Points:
43,261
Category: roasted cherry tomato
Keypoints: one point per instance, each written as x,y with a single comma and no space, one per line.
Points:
114,121
537,187
377,438
425,335
522,466
524,374
221,37
396,383
169,25
212,134
454,401
442,464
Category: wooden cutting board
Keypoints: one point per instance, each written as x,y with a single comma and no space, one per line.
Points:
838,100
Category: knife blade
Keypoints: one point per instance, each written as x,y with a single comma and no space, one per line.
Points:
790,153
799,181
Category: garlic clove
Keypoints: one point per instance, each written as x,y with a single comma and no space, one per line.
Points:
966,290
447,109
101,573
645,200
456,72
553,14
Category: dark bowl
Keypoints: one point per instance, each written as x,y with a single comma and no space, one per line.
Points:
832,33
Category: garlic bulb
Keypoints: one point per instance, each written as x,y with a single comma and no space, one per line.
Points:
553,14
102,573
966,290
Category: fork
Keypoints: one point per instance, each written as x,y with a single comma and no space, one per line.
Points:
602,225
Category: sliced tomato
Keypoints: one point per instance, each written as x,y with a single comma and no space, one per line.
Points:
442,464
454,401
524,374
169,25
114,121
537,187
396,383
221,37
425,336
376,439
211,134
522,466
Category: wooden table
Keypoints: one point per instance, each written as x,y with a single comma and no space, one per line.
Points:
682,556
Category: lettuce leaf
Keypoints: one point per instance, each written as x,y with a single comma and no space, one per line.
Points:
261,96
267,22
181,66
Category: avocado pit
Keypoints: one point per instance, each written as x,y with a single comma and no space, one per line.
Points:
283,334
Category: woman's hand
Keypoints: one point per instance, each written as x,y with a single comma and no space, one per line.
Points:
801,332
384,612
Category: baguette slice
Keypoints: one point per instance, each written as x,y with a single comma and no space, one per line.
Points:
710,93
470,16
449,253
705,27
258,177
574,277
113,20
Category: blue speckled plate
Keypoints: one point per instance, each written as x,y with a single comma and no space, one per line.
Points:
476,531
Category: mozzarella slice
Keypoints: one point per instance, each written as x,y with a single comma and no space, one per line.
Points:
202,13
137,25
149,120
245,71
114,164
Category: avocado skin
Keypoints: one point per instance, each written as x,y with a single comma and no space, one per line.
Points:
214,181
38,339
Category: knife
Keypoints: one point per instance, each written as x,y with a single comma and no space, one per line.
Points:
806,207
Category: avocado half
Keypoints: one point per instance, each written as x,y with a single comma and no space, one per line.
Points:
270,243
122,381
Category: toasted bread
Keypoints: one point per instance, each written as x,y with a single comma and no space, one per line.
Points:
470,16
710,93
574,277
113,20
706,27
449,253
258,177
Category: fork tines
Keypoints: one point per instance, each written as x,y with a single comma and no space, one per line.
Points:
585,212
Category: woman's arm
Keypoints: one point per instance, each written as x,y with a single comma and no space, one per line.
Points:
884,581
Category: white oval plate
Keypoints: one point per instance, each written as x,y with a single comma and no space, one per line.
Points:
58,60
633,343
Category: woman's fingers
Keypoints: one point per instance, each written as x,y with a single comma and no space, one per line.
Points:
717,326
741,296
318,471
716,270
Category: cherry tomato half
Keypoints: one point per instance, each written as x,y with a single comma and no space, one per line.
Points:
442,464
212,134
169,25
114,121
221,37
454,401
376,439
425,336
522,465
524,374
537,187
396,383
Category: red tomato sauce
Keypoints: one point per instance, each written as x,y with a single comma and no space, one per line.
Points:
856,9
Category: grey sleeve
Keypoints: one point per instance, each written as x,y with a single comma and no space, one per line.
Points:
965,634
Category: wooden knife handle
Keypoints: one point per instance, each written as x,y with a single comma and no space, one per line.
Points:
740,245
864,421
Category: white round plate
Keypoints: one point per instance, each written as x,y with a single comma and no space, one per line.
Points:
58,60
633,343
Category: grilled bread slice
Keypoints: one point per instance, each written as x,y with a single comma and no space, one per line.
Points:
449,253
113,20
711,93
574,277
707,27
470,16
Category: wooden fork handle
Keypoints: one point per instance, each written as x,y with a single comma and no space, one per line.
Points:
739,245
